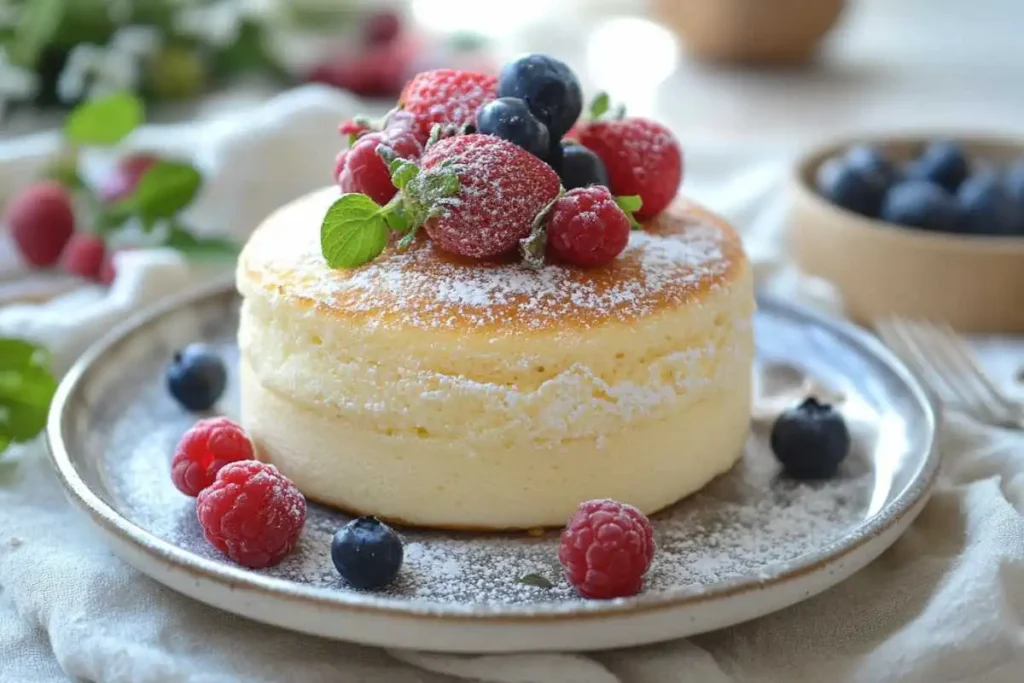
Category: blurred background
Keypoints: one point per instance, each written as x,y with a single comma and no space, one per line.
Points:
730,71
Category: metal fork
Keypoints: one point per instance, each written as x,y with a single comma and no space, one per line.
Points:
942,360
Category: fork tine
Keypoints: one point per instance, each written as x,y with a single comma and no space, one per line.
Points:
949,366
894,334
955,350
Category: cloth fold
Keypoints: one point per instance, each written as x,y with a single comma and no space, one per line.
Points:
944,604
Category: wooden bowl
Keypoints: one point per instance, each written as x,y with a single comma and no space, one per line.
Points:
772,32
973,282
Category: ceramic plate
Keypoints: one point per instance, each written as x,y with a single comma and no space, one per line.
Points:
750,543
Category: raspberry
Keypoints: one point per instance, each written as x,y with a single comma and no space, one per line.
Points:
606,549
447,97
502,189
41,221
204,449
587,228
361,169
642,157
370,71
83,255
122,181
253,513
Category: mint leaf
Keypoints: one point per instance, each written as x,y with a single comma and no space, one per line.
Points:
105,120
402,171
200,247
166,188
26,389
630,204
600,105
354,231
535,580
65,172
396,219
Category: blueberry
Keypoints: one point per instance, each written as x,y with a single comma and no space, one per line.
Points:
196,378
510,119
810,440
987,207
921,204
581,167
1015,185
872,161
943,163
367,553
548,86
556,155
850,187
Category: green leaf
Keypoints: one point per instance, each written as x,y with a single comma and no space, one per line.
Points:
535,580
65,172
199,247
26,389
396,219
402,171
600,105
354,231
38,21
165,189
629,205
105,120
111,218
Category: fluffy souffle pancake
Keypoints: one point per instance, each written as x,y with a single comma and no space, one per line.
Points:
438,392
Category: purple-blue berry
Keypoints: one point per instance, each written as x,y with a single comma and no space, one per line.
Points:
987,207
921,204
196,377
510,119
811,440
367,553
943,163
549,88
581,167
852,188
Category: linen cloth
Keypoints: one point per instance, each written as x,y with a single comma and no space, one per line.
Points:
944,604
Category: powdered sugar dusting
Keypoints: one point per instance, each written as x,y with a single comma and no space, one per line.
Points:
748,523
682,254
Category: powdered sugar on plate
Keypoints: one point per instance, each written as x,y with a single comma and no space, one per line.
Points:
748,523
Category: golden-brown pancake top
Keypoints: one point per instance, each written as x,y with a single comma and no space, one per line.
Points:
679,256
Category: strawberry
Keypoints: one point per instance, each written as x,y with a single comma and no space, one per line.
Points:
502,189
84,255
445,96
642,158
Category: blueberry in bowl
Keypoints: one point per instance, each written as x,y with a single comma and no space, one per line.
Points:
927,226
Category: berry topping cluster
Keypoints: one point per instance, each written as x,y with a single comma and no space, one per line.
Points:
941,189
490,165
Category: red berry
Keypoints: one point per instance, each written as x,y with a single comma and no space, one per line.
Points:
642,158
122,181
502,189
382,27
204,449
41,221
587,228
83,255
375,71
253,513
447,97
361,169
606,549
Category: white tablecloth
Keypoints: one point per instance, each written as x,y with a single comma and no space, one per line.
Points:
945,604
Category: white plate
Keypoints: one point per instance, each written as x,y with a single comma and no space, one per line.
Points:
750,543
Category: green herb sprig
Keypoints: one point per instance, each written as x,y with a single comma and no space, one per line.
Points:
26,389
163,192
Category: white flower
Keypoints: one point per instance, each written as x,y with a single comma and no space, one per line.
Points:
16,83
216,24
92,70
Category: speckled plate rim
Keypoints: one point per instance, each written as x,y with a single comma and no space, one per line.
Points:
888,522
